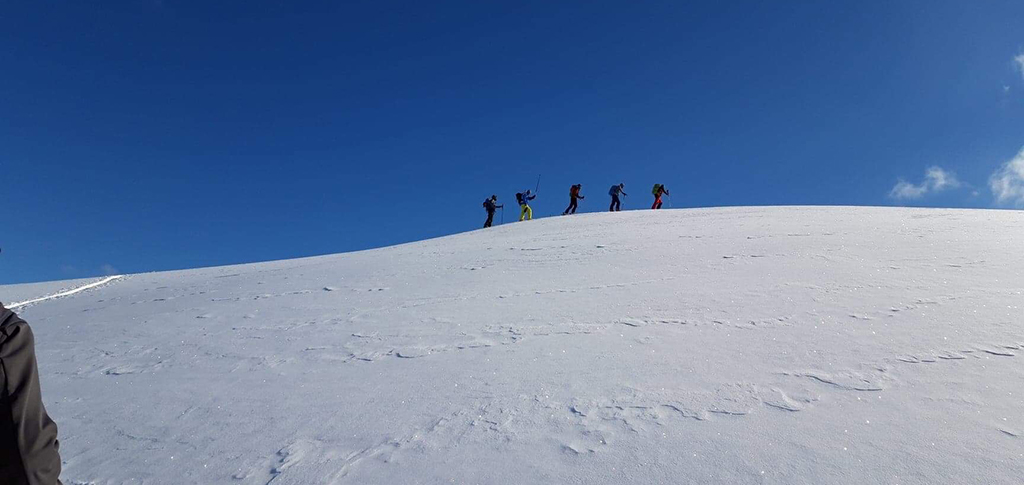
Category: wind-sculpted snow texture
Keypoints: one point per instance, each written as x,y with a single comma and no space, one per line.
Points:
738,345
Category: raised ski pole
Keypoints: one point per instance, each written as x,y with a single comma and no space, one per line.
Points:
502,214
537,188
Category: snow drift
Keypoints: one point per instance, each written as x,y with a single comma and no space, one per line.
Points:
739,345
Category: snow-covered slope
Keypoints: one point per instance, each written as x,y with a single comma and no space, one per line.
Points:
738,345
16,295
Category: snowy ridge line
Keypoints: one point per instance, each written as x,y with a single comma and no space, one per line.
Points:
72,291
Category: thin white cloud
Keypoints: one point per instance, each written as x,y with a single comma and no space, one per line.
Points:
935,180
1019,62
940,179
1007,183
907,190
108,269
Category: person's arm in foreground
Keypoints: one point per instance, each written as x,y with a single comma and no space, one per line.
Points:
29,450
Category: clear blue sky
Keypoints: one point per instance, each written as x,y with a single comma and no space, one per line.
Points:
153,135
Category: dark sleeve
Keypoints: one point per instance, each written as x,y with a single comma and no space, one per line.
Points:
29,436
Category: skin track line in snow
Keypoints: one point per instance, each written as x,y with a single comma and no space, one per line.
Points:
108,279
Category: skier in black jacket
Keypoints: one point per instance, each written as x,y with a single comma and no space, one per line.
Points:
29,450
490,205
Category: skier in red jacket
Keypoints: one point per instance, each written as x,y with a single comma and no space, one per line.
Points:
574,194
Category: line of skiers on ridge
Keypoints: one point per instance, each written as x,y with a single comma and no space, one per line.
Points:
526,212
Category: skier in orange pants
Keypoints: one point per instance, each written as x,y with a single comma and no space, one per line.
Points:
658,190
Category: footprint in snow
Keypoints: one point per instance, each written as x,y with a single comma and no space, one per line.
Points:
778,399
412,352
126,369
846,380
285,458
913,359
997,351
577,449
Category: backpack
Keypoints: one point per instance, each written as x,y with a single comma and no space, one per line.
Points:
656,189
574,191
614,190
519,198
487,204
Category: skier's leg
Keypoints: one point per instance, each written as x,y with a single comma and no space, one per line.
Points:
575,204
490,219
522,212
529,213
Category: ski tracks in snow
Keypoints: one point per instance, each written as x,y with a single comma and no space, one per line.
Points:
61,294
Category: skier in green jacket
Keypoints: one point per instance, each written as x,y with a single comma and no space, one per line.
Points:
658,190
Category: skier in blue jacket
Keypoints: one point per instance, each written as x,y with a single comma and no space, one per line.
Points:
524,199
614,192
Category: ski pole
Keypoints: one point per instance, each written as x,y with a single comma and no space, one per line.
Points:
537,188
502,215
